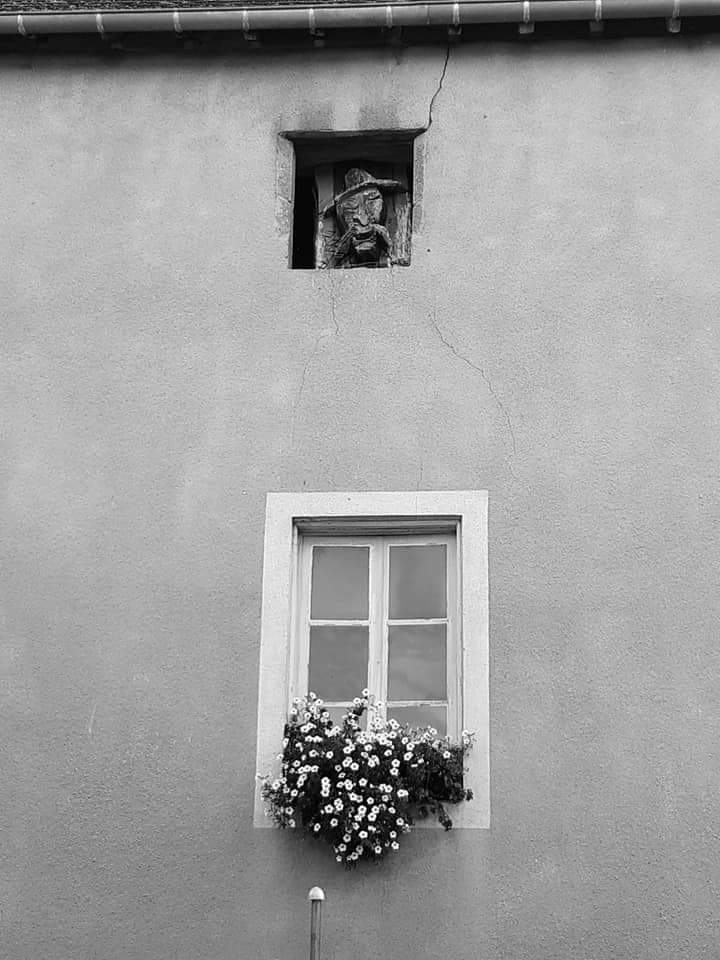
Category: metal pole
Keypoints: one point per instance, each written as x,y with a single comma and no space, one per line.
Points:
316,897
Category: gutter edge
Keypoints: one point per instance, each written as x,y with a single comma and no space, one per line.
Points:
348,16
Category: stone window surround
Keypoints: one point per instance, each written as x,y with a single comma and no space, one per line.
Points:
287,516
285,172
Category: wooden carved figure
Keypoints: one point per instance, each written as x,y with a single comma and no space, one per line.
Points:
358,237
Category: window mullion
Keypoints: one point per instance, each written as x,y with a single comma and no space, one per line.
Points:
383,602
375,614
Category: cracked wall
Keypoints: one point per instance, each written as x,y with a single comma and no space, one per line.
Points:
554,341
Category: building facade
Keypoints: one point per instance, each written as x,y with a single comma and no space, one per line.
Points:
551,341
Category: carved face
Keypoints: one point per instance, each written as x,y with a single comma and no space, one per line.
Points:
360,213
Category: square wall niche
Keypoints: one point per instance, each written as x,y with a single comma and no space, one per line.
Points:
353,200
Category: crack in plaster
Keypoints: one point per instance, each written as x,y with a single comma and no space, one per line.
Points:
91,721
460,356
439,88
333,291
311,356
416,202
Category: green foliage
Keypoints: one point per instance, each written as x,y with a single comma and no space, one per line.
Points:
360,789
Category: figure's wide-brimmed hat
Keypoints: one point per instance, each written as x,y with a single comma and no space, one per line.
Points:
357,180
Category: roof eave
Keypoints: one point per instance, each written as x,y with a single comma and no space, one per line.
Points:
348,16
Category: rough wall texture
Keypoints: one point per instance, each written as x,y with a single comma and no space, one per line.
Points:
554,341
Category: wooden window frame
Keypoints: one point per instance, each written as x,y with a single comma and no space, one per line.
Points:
291,518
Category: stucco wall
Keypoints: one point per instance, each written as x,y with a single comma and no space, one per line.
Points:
554,341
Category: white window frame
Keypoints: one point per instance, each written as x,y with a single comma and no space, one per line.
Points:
289,517
377,621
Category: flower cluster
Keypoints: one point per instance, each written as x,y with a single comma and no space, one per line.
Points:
360,789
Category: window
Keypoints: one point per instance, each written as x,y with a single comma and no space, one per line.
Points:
352,199
380,590
380,613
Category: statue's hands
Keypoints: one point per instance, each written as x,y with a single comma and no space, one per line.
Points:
343,247
382,234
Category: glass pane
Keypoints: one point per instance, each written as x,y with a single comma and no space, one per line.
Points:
340,583
421,717
338,662
417,662
417,582
337,714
